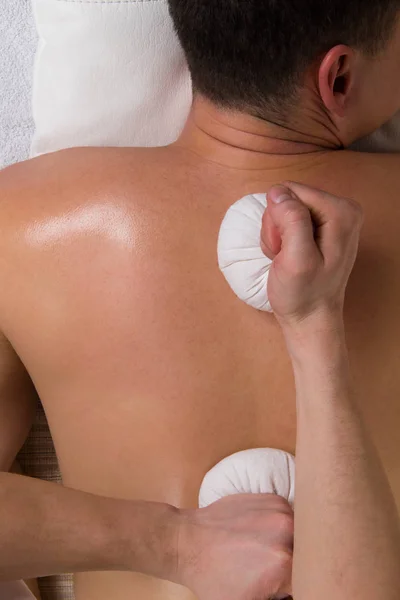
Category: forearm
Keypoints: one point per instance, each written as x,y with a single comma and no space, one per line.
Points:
346,525
46,529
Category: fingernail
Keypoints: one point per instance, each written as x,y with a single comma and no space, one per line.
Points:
281,198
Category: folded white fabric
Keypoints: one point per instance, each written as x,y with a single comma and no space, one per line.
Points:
257,471
107,73
240,258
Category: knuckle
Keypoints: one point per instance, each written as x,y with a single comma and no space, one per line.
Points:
284,522
296,213
347,219
356,213
350,211
357,208
281,561
284,558
280,501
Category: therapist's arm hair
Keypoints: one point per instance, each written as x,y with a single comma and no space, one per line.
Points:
49,529
347,537
347,534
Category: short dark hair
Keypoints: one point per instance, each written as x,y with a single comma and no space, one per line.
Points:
251,54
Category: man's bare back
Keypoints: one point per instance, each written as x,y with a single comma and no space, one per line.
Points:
149,369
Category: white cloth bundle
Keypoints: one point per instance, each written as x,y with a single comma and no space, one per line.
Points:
240,258
256,471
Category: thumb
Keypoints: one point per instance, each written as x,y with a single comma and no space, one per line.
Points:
271,241
293,221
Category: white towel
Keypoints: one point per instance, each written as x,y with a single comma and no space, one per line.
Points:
18,40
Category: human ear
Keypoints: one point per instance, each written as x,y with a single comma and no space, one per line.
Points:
335,79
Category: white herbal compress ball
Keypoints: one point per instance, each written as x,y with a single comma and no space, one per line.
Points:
240,257
256,471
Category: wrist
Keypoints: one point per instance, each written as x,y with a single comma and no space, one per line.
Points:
320,362
320,335
143,537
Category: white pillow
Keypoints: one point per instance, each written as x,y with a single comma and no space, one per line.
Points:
112,73
107,73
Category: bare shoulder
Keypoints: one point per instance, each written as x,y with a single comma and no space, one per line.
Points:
376,165
360,174
371,179
68,203
65,180
72,169
61,207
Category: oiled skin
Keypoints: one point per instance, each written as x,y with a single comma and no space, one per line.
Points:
149,368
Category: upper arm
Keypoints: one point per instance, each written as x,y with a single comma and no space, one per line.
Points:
17,404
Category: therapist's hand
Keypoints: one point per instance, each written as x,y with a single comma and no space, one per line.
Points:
313,239
239,548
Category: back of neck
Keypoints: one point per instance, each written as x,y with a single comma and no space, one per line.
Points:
239,140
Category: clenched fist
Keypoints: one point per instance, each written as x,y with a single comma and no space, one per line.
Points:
313,239
239,548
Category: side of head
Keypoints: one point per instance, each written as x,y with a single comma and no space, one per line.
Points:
264,56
